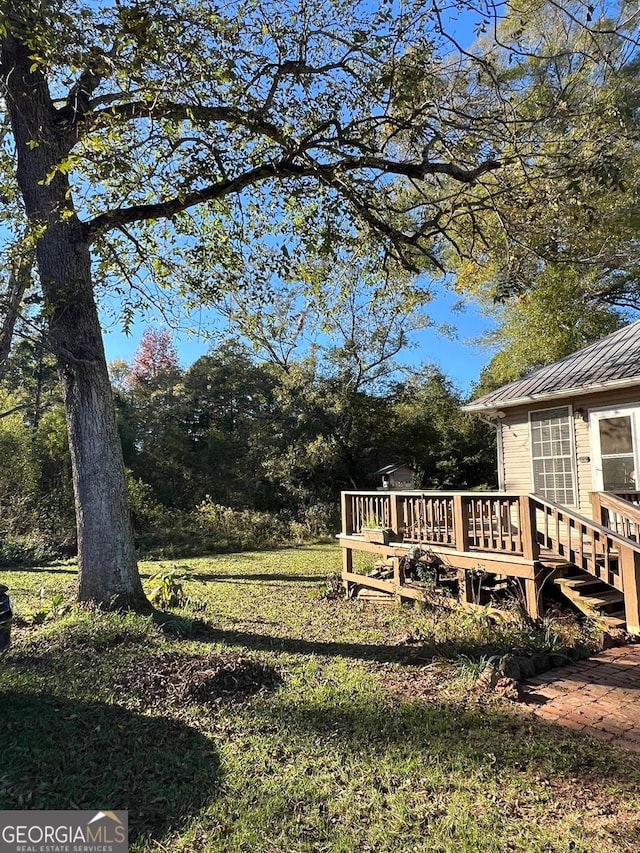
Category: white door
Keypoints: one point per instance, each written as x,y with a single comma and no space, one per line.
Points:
614,448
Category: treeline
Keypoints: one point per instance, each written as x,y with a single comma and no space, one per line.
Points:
230,452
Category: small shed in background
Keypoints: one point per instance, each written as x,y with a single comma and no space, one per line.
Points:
396,477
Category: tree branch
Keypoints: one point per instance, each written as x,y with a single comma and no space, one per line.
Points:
19,280
252,120
134,110
78,101
329,174
14,410
171,207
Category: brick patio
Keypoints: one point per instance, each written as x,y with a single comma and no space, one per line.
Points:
599,697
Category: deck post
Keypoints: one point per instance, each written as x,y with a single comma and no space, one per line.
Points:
395,516
398,577
347,514
530,551
630,570
347,568
460,523
465,586
528,528
532,598
596,507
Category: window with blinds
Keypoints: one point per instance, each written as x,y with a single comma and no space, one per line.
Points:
552,455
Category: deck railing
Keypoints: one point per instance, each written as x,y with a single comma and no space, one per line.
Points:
630,495
618,512
428,519
595,548
494,522
587,544
366,508
483,521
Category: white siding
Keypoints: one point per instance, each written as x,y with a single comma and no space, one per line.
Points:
516,451
516,448
583,455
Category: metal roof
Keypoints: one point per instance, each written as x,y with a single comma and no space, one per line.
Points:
611,362
389,469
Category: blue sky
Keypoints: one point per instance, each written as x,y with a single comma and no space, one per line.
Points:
461,359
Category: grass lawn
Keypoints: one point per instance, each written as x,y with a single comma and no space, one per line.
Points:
282,721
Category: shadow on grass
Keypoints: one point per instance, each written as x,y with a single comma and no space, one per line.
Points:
414,655
269,577
52,569
60,753
452,738
203,632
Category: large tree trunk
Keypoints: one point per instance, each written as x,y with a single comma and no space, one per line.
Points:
108,573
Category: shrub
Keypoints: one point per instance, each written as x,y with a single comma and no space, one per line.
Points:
214,528
27,551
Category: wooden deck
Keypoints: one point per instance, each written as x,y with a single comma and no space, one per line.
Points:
510,535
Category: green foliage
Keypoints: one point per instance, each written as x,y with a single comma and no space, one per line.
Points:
212,528
238,433
32,549
555,258
146,511
232,453
525,337
19,473
472,668
36,501
166,589
449,449
56,608
267,149
332,588
54,496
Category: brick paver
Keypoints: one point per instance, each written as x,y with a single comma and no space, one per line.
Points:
599,697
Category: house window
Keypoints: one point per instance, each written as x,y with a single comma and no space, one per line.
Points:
552,455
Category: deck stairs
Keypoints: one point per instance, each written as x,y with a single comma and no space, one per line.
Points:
593,597
592,584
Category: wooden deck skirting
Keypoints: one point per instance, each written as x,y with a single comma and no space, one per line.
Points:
520,536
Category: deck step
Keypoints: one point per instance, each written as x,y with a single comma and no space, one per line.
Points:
554,560
376,596
602,598
578,582
614,621
595,598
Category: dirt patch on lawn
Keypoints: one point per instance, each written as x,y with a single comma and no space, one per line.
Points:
428,683
180,678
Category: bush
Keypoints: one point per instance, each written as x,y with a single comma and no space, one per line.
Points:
27,551
145,509
214,528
